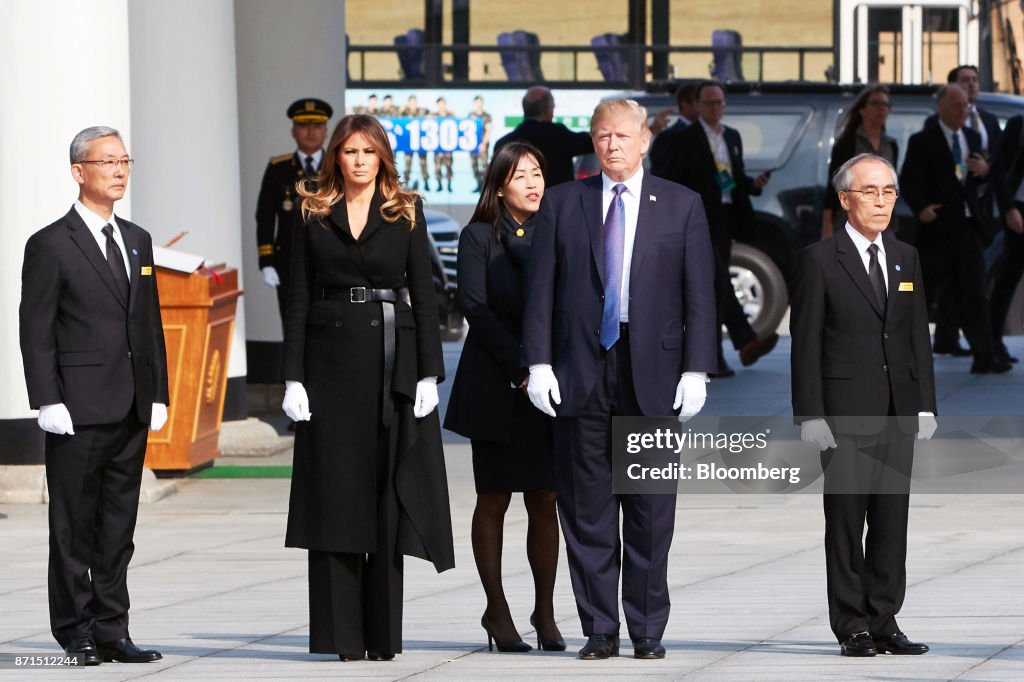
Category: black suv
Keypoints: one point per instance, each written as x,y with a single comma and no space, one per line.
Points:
789,128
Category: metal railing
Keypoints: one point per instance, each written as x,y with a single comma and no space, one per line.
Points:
440,68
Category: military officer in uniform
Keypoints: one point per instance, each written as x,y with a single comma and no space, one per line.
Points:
276,209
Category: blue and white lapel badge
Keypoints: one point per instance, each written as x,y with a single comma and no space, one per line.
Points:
652,197
136,253
897,267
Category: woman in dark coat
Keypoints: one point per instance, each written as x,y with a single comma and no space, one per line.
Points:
863,133
362,355
511,441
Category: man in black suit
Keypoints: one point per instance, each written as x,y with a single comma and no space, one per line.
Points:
707,157
664,145
557,143
1008,184
620,263
93,349
861,360
277,205
985,123
941,176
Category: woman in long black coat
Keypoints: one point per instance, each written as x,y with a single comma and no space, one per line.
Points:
863,133
511,440
362,355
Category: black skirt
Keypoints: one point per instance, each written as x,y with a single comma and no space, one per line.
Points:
524,464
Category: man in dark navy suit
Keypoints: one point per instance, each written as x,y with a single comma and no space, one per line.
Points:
862,384
92,343
708,158
941,176
619,321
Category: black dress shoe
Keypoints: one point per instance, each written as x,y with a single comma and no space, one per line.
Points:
348,658
83,650
899,644
990,363
648,648
753,350
380,655
956,351
125,651
859,644
599,647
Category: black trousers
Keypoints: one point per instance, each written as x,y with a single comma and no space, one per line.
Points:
730,312
954,282
1010,270
867,575
355,599
93,479
589,515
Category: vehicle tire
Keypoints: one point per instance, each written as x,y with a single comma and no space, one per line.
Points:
760,288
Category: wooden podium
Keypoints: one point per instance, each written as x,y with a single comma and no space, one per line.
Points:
198,311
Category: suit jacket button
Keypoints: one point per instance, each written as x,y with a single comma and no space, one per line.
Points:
338,323
129,355
597,332
885,335
374,323
885,368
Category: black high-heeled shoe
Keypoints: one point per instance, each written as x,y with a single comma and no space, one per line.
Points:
546,644
519,647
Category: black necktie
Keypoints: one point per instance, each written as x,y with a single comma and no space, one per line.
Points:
876,277
310,169
116,262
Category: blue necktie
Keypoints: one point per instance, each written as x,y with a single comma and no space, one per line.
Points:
958,156
614,241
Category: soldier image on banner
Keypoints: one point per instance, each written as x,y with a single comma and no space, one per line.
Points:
479,157
411,109
443,160
276,207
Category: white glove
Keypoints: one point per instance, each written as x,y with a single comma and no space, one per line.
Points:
426,397
543,388
158,417
816,432
56,419
691,393
296,402
926,425
270,276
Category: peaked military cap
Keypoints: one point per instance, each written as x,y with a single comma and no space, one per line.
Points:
310,110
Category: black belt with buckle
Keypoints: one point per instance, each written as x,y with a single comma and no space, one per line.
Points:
368,295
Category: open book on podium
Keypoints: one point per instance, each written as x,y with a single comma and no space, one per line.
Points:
197,304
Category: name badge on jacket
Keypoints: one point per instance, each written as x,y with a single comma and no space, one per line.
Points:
906,286
148,270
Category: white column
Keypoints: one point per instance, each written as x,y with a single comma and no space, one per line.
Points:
185,118
65,68
286,51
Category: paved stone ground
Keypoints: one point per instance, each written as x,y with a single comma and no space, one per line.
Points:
215,590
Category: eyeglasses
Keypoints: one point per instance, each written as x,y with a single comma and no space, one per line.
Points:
888,194
111,164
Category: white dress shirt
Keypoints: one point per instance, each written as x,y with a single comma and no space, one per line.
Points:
316,156
95,225
631,201
861,243
975,123
716,140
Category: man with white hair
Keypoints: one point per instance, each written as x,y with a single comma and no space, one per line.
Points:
92,343
621,263
863,383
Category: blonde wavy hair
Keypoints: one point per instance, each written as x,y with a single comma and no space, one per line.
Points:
319,194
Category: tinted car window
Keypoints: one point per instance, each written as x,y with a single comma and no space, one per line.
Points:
769,135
